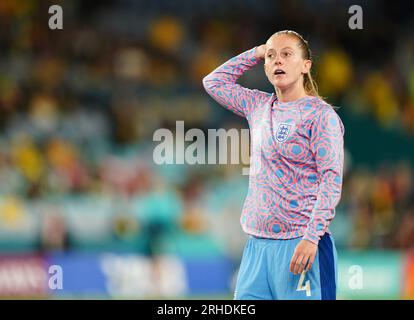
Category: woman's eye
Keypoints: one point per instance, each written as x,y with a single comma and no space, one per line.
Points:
270,55
287,54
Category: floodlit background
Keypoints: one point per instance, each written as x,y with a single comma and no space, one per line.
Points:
79,106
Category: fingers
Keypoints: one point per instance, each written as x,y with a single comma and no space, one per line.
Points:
300,263
310,263
260,51
293,263
303,264
303,257
296,264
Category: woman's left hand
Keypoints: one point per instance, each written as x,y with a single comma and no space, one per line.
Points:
304,255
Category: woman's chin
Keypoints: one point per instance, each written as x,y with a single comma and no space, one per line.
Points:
281,85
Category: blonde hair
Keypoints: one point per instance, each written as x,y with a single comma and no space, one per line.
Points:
310,86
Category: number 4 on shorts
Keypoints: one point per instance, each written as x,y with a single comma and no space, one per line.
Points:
304,287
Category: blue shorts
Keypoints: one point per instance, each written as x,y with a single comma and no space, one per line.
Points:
264,271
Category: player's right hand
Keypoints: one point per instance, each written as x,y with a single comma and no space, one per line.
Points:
260,52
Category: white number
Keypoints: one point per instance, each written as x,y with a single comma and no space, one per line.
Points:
305,287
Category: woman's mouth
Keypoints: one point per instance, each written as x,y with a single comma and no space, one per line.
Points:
279,72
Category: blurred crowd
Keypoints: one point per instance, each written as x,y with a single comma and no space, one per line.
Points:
80,105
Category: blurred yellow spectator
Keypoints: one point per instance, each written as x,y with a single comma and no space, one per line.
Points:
334,72
43,111
61,155
12,212
27,158
166,33
381,97
194,221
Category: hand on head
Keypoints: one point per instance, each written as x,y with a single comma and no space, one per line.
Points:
260,52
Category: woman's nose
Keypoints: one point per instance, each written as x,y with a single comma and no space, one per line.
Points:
278,60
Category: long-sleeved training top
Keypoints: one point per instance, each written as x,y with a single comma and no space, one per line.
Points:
296,160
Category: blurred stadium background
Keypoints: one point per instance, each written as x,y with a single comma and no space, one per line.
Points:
79,106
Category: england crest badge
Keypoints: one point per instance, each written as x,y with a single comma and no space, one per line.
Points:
283,131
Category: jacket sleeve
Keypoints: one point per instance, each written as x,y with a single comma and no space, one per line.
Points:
327,144
221,84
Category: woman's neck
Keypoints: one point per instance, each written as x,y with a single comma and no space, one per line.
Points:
290,94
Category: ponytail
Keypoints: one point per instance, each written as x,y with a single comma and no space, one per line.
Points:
311,88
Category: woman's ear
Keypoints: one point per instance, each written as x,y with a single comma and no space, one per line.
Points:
307,65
